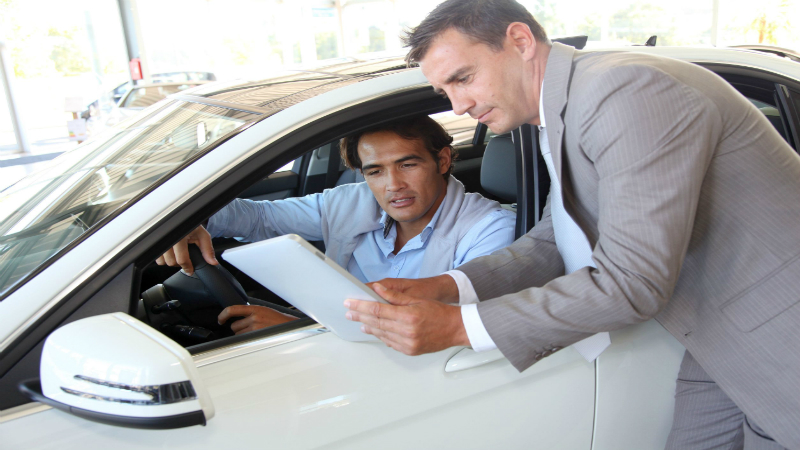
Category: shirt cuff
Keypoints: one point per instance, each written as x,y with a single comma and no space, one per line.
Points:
466,293
479,338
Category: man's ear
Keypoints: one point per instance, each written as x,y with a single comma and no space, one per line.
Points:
519,36
445,159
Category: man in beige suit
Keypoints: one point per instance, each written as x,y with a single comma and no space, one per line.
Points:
685,198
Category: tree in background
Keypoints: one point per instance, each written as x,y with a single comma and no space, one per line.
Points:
771,17
68,57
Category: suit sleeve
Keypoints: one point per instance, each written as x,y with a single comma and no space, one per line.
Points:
650,140
532,260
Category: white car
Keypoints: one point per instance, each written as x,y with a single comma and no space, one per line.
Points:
78,241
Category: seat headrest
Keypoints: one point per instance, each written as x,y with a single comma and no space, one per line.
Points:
350,176
499,168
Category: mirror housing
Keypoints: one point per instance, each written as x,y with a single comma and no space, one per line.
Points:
117,370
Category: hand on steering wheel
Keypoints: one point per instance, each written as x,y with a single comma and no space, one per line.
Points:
253,317
178,255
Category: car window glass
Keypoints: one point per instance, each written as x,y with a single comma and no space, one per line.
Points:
462,127
46,211
286,168
772,114
146,96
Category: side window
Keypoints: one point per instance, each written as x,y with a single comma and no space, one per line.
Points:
288,166
462,127
771,96
772,114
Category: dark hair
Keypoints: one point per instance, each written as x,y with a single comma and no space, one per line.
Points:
420,128
486,21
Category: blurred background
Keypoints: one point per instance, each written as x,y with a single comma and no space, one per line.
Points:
67,60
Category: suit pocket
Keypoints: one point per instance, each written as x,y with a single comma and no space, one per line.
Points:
771,296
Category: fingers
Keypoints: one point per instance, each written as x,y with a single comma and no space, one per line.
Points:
392,296
254,317
242,324
202,239
367,308
394,341
180,255
235,311
395,284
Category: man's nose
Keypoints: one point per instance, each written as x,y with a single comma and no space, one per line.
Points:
461,103
394,181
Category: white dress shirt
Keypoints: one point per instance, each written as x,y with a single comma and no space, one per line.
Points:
572,244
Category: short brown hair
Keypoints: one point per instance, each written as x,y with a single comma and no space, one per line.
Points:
419,128
486,21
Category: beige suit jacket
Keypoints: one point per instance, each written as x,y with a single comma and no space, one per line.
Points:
691,203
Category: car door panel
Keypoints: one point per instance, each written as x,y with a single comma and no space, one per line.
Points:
325,392
636,388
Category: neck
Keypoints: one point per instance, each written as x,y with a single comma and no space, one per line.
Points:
539,64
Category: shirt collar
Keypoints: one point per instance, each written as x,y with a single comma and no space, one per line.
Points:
541,108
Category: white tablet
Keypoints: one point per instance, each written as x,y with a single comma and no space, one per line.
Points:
303,276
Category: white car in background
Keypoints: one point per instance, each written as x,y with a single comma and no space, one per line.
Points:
78,241
141,96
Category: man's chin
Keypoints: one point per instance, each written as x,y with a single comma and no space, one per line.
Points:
499,129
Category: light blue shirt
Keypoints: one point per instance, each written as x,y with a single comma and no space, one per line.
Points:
372,258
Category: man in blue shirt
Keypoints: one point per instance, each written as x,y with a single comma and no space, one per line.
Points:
410,218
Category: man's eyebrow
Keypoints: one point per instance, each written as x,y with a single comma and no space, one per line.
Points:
408,158
458,74
453,77
367,167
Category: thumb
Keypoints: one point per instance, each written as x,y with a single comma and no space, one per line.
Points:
392,296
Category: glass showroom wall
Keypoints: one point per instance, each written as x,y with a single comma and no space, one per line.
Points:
76,49
58,50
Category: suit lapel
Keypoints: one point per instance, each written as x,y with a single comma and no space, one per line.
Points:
557,79
557,76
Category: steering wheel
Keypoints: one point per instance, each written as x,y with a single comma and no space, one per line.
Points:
219,283
185,307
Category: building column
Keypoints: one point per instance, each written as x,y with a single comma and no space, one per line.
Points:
7,76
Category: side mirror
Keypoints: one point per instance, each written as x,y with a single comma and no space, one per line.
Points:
116,370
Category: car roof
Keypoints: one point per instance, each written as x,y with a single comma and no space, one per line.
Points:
299,84
284,89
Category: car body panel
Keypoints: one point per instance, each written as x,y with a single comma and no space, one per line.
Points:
318,393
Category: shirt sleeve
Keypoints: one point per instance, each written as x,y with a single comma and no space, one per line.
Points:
466,293
258,220
479,338
493,232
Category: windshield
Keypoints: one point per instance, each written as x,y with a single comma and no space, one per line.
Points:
46,211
